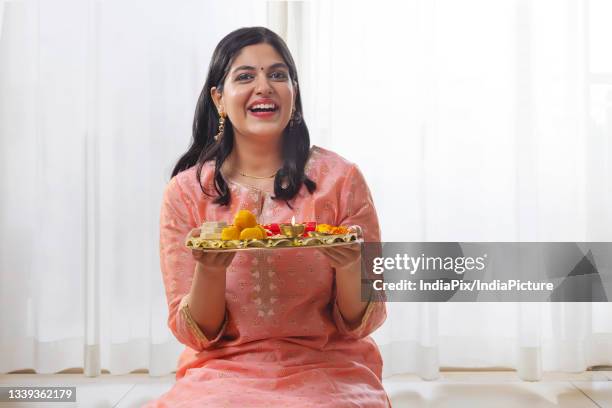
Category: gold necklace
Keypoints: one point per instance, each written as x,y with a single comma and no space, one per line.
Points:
257,177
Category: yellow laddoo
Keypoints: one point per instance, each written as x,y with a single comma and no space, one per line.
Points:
252,233
229,233
245,219
262,229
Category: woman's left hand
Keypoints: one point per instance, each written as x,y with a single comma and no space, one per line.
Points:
343,257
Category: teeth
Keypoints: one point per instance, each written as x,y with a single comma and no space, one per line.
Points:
263,106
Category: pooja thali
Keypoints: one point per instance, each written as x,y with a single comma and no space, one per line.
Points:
246,234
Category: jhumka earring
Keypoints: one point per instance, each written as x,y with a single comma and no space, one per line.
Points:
221,126
295,118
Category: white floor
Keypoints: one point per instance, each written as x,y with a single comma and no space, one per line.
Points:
452,389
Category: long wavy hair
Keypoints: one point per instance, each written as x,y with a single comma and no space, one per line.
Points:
295,139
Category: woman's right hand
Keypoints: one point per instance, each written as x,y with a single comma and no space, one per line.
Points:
216,260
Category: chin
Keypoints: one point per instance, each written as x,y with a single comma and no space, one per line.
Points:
265,132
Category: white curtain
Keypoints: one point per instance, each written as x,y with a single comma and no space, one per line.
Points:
472,121
96,104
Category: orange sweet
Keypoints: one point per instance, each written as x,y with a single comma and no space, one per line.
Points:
252,233
262,229
245,219
229,233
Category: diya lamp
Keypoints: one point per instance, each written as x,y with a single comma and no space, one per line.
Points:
292,230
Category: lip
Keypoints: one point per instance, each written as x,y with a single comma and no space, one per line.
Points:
263,114
262,100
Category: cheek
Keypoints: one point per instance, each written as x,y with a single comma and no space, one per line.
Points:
286,96
236,101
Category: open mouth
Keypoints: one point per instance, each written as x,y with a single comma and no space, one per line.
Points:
264,107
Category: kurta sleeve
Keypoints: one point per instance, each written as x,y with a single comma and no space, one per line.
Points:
357,208
178,266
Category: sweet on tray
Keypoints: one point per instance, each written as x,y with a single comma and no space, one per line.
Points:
245,232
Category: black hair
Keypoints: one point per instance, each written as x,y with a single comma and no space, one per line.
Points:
295,139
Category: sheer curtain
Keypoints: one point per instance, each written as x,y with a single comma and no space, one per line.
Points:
96,104
473,121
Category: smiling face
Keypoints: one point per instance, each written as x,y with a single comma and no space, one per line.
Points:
258,94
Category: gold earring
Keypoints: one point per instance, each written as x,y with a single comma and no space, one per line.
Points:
295,118
221,126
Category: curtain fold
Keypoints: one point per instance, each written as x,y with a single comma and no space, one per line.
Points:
489,119
96,104
472,121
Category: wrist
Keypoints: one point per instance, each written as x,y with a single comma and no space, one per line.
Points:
212,270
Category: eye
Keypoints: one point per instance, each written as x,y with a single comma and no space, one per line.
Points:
244,77
278,75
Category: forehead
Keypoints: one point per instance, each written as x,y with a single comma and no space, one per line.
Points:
257,55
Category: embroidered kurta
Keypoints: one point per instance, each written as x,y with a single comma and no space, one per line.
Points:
283,342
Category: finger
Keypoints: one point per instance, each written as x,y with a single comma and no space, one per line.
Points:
223,258
197,255
228,258
335,260
345,252
324,251
215,258
352,247
330,255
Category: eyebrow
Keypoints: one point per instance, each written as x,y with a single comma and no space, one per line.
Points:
250,68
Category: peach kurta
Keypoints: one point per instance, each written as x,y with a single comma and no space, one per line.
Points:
284,342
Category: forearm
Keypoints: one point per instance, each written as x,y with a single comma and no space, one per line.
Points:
207,299
348,294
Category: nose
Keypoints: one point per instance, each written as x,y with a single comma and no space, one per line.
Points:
262,85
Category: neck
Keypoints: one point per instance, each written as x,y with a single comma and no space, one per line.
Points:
255,157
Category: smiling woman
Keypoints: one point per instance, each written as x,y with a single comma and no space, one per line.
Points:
259,93
253,81
285,329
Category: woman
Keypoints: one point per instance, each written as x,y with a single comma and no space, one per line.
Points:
267,328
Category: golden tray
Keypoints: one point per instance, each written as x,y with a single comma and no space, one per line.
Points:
318,241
